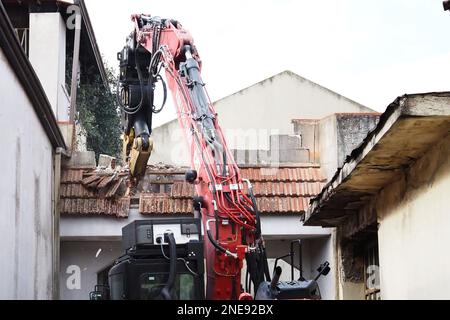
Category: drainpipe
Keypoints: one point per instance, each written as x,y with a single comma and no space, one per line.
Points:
75,64
59,153
55,222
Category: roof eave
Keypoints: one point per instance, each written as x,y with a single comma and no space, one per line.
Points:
379,159
92,40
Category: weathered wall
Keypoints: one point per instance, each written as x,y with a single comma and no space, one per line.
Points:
80,263
169,145
328,148
331,139
48,57
250,116
25,195
338,135
351,131
272,103
346,290
413,235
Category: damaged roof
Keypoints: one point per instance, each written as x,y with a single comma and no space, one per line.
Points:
163,191
408,128
78,198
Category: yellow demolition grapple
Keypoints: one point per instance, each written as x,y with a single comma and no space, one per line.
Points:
136,152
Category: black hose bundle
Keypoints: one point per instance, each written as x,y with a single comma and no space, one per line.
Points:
165,292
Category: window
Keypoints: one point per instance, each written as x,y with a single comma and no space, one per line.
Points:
159,187
151,285
371,270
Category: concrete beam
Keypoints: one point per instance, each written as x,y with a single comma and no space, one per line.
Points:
405,132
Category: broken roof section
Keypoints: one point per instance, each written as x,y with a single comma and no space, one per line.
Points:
410,125
163,191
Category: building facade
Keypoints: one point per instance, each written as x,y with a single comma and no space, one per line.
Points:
36,45
31,141
390,204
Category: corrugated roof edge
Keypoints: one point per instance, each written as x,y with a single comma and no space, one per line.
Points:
29,80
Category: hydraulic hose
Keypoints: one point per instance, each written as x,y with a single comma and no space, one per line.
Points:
165,292
214,242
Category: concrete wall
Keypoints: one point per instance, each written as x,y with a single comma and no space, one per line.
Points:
328,148
26,235
272,103
351,131
48,57
169,145
80,263
414,224
96,227
251,116
315,251
346,290
331,139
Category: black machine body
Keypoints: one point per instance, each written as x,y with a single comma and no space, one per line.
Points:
163,260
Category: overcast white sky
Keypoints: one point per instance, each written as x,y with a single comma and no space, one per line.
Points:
370,51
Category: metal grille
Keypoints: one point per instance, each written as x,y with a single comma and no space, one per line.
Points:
371,274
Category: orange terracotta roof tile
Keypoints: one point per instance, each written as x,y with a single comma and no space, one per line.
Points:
285,190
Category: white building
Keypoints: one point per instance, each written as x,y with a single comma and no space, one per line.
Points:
35,45
390,204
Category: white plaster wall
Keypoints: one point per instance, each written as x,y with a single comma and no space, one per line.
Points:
25,196
273,103
413,235
48,57
84,259
328,146
169,145
95,227
315,251
249,117
321,250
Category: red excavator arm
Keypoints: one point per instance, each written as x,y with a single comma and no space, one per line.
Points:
225,200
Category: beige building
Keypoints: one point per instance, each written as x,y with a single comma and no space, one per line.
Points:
390,203
252,115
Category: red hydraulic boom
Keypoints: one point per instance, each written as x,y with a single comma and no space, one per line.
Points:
225,200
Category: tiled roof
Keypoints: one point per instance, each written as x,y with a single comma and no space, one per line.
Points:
277,190
162,191
77,199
